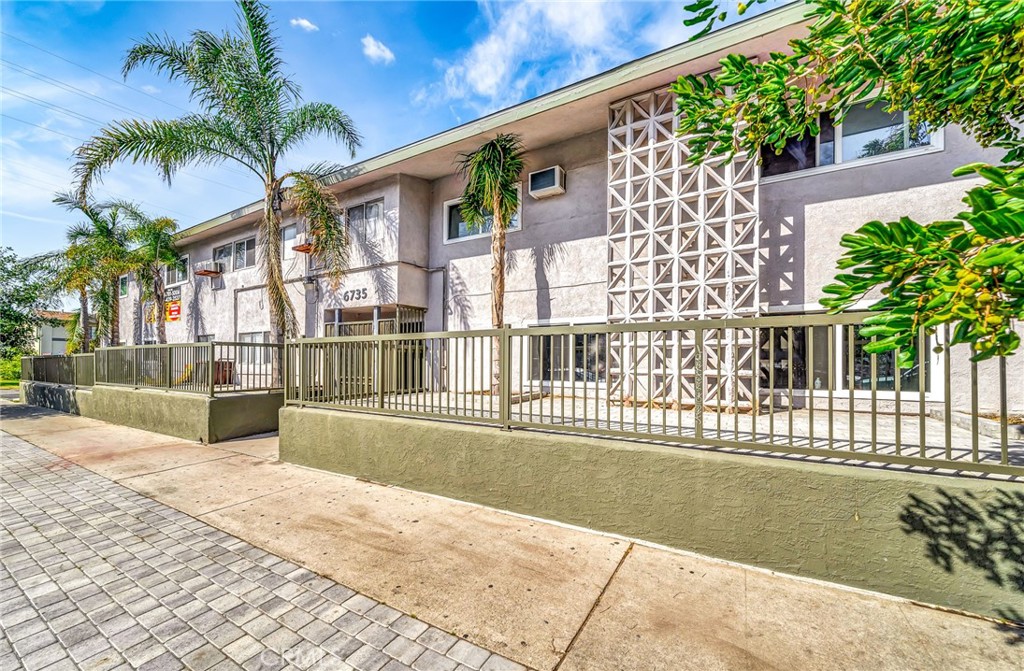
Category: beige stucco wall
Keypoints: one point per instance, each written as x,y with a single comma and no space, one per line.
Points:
556,266
803,218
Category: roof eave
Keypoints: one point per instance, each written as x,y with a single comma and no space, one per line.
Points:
716,41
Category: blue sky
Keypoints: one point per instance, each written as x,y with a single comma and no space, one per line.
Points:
401,70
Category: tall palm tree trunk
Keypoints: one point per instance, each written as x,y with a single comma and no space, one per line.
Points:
282,314
497,295
158,297
115,312
83,320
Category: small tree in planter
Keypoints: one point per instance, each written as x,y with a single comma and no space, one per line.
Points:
491,198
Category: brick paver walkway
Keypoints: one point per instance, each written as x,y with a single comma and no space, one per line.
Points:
96,576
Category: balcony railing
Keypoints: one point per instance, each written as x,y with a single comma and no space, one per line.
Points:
204,368
73,370
800,385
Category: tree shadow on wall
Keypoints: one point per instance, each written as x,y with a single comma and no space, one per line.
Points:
985,535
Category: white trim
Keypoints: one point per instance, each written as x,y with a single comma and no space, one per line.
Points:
455,201
573,321
187,258
295,239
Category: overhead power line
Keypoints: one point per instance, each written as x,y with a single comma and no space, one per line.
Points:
69,87
65,110
87,69
29,123
91,96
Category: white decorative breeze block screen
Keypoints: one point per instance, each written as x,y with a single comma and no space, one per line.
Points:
682,244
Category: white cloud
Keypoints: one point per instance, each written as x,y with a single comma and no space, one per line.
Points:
377,51
531,47
304,24
150,89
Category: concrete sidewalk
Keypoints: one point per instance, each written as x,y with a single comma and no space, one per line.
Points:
547,596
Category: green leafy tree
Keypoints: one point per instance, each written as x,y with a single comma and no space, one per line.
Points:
24,293
96,257
491,196
75,274
943,61
250,114
154,252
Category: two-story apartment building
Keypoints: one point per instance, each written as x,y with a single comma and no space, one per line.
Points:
637,234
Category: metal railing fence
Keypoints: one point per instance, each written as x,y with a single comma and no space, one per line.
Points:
207,368
801,385
75,370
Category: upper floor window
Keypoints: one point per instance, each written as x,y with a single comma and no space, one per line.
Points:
122,285
365,220
288,235
178,274
222,255
457,229
245,253
867,131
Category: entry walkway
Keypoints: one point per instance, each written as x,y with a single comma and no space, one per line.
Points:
98,576
175,534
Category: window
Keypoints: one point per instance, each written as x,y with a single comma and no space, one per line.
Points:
885,367
789,346
457,229
365,220
252,355
785,349
208,337
222,255
288,234
867,131
581,357
178,274
122,284
245,253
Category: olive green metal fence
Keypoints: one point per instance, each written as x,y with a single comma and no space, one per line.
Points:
75,370
205,368
801,385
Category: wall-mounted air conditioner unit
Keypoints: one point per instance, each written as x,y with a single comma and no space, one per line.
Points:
547,182
209,268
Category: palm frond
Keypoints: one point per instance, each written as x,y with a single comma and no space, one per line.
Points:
168,145
255,24
162,54
317,118
492,172
327,231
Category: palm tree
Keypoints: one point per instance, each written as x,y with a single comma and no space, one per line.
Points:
492,175
250,114
75,273
97,256
154,251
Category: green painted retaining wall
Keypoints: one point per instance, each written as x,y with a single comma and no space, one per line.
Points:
189,416
949,541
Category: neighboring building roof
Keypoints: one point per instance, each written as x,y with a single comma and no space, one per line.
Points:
55,314
561,110
61,315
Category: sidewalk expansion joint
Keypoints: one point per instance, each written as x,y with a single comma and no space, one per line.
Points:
593,608
242,503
